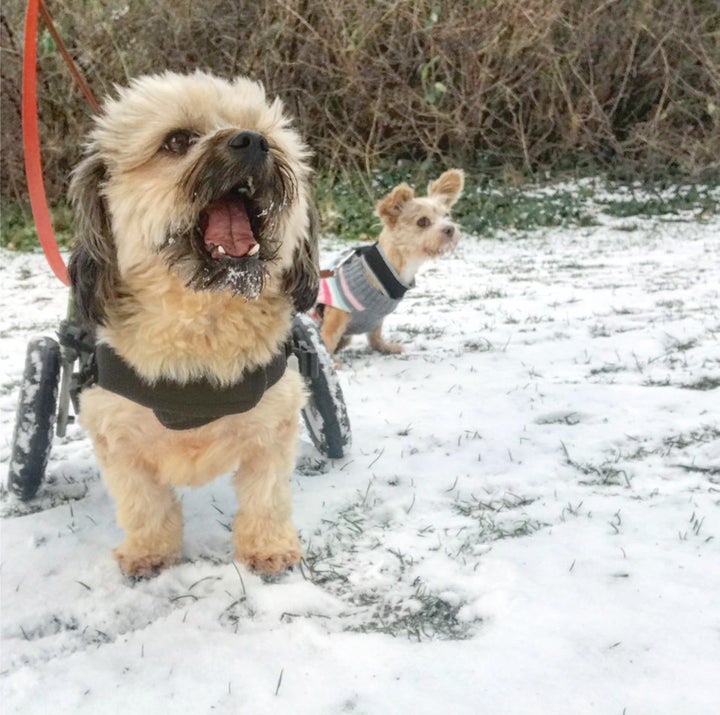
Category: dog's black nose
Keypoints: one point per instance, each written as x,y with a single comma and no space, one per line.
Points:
448,232
251,146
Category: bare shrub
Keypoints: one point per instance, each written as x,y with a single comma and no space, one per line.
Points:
519,84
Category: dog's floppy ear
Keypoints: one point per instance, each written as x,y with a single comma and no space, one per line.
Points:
390,207
448,187
93,267
302,279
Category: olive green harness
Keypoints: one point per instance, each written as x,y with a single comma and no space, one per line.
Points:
181,406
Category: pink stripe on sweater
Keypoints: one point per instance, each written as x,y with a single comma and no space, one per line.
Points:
351,298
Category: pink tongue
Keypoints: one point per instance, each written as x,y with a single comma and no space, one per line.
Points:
228,226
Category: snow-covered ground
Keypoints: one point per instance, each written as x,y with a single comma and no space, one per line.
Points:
528,520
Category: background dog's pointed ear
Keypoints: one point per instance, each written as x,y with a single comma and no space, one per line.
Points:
390,207
92,267
448,186
302,279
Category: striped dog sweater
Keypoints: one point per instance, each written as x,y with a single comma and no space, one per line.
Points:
364,284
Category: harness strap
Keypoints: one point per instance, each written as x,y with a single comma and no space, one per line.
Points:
181,406
378,264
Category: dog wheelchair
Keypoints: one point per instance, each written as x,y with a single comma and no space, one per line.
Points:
57,371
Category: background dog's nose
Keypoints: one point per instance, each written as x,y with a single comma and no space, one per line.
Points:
448,232
252,146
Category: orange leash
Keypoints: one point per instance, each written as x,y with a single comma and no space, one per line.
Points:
31,137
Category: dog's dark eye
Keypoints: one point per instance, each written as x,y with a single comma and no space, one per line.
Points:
178,142
423,222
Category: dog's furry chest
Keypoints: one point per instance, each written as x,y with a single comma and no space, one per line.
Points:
166,331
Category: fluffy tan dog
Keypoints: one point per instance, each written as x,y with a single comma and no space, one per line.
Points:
196,243
368,283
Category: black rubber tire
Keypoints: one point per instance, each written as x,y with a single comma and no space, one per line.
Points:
324,414
35,417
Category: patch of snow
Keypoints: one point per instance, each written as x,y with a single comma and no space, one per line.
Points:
527,519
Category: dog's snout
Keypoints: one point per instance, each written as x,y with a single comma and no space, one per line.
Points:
252,146
448,232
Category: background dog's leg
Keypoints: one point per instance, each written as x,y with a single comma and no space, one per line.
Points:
378,342
333,328
265,537
342,343
149,512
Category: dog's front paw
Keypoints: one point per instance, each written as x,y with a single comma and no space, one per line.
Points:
268,547
270,563
393,348
377,342
142,563
387,348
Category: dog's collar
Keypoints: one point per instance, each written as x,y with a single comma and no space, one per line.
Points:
180,406
383,271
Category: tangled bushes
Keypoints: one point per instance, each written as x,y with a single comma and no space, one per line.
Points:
514,84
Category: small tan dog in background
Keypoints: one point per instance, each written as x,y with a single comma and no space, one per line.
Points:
195,245
368,283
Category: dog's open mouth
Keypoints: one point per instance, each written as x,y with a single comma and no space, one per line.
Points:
227,227
232,241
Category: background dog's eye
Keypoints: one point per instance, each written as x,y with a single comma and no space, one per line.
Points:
423,222
178,142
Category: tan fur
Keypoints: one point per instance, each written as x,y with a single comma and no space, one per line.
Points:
142,461
333,327
206,333
377,342
130,197
406,245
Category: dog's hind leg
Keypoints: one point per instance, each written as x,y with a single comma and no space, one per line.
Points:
149,512
378,342
265,537
334,324
343,343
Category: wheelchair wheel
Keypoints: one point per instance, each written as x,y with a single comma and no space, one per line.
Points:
35,417
325,414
